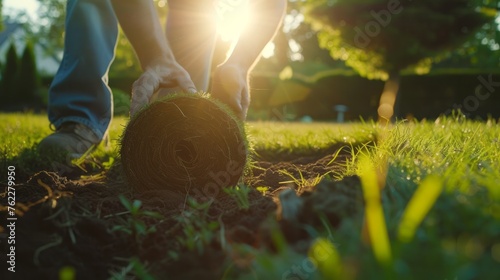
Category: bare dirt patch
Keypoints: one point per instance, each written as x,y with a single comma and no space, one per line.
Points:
69,222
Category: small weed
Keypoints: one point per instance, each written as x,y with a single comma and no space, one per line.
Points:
197,231
262,189
134,225
134,270
240,194
302,182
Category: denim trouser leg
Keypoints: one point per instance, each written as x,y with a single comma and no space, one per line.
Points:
80,92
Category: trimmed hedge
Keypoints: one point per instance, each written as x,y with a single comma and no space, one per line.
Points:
425,96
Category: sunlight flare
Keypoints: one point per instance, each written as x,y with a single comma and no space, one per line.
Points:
232,18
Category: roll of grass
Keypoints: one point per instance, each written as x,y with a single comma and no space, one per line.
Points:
187,144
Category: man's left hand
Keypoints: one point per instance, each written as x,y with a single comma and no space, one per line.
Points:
158,76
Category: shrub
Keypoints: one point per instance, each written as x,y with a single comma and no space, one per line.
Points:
121,102
9,73
28,82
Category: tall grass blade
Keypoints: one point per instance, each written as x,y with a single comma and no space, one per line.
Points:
418,207
374,213
325,257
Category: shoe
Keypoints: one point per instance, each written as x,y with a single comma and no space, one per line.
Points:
73,139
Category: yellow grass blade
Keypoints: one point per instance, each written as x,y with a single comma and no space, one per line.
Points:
325,257
375,220
418,207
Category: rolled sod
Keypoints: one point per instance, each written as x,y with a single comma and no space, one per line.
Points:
187,144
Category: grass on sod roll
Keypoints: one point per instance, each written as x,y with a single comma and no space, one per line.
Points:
440,201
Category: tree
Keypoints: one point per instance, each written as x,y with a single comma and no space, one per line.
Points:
50,33
49,29
9,75
1,15
27,81
482,52
380,38
125,62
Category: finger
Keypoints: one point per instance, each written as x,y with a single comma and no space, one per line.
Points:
245,103
142,90
186,84
139,99
219,92
177,77
233,102
239,111
149,81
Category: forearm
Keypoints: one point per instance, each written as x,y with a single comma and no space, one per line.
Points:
140,22
265,20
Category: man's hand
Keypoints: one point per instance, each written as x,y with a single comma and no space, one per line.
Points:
230,80
230,85
160,75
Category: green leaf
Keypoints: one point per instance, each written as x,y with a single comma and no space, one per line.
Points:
122,229
153,214
136,205
140,228
125,202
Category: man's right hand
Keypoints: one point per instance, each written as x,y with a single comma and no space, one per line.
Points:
230,80
230,86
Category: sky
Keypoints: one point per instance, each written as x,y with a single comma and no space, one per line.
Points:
30,6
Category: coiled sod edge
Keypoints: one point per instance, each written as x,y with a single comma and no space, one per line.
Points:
186,144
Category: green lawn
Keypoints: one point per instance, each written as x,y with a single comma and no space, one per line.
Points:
20,134
438,216
23,131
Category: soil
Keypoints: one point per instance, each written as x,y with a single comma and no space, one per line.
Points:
72,221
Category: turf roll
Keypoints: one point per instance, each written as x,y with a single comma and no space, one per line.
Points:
186,144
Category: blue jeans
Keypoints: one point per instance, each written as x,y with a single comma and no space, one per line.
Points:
80,92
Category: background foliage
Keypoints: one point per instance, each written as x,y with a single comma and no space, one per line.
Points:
309,61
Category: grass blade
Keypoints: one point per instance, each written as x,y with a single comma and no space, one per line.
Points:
374,213
418,207
325,257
